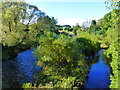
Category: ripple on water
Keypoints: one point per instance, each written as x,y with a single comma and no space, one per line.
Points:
19,70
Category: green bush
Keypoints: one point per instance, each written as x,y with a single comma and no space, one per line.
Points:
62,61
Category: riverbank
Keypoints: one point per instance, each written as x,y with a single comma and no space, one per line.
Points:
11,52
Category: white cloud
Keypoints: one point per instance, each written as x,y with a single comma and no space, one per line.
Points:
73,21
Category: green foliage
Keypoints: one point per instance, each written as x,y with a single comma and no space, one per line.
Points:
45,23
87,46
94,38
77,27
18,24
22,24
113,52
27,85
104,24
12,29
94,29
89,42
63,61
113,37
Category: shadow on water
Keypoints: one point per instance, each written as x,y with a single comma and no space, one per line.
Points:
19,70
99,76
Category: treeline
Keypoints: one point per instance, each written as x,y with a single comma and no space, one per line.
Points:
22,24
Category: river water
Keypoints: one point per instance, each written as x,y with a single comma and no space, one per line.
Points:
19,70
22,69
99,76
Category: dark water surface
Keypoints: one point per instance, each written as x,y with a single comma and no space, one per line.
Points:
22,69
99,76
19,70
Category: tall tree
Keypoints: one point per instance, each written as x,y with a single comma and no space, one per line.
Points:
16,19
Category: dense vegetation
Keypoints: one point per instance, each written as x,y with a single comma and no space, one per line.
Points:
113,39
63,60
22,24
61,50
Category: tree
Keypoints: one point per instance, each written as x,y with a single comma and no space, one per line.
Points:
62,60
16,19
18,26
83,27
46,23
76,28
113,51
93,22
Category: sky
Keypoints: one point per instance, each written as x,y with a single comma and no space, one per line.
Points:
70,13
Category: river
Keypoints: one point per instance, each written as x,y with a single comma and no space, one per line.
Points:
22,69
99,76
19,70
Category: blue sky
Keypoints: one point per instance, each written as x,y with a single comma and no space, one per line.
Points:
70,13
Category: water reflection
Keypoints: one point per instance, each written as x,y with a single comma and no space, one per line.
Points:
99,76
19,70
22,70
